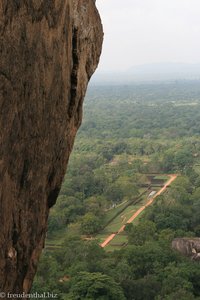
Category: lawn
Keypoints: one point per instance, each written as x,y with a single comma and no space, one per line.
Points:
119,240
101,237
197,168
161,177
110,248
110,214
137,219
121,219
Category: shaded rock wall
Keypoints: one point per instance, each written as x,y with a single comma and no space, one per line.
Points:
49,50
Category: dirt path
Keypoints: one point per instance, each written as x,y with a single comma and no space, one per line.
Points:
138,212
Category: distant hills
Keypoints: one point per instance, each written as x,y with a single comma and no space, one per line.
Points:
149,73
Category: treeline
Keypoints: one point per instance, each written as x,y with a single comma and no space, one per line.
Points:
157,111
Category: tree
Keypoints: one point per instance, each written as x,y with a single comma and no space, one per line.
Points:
95,286
96,205
148,258
90,224
182,182
179,294
56,221
168,161
176,279
142,232
127,186
183,158
146,288
115,193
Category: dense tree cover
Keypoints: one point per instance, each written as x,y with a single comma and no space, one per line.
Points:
178,209
144,111
129,131
146,269
90,224
126,132
87,285
90,187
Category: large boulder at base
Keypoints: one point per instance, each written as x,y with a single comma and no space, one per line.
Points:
189,247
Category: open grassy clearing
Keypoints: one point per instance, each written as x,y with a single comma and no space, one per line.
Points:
110,214
121,219
111,248
156,186
161,177
197,168
113,212
119,239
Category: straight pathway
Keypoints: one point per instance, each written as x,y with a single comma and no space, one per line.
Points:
138,212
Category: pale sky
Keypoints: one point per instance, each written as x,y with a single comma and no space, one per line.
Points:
149,31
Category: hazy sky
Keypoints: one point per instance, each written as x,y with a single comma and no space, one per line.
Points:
149,31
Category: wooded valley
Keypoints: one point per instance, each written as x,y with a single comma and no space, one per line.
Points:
131,140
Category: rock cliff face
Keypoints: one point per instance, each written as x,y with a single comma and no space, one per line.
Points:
188,246
49,50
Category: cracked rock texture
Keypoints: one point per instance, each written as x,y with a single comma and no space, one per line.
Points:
48,51
189,247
